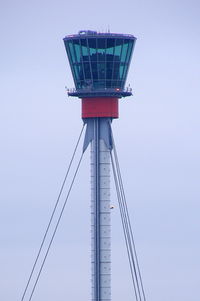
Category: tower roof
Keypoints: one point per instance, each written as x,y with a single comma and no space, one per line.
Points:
95,34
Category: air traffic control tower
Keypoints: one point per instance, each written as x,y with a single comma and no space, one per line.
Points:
99,63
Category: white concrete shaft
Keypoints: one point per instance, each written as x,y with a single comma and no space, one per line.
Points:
101,250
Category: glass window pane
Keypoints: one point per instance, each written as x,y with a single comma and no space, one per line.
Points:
110,50
117,52
110,46
108,84
100,84
101,44
76,71
115,73
118,48
77,50
92,49
71,50
125,72
81,73
116,70
87,70
130,46
119,84
124,51
101,49
109,68
121,71
94,71
122,83
78,85
84,50
109,57
102,70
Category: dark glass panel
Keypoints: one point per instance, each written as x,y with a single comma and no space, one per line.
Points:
121,70
81,72
100,84
114,84
82,84
101,45
71,50
94,70
78,85
87,70
124,50
76,71
84,49
101,55
127,60
108,84
93,49
110,50
110,46
118,48
109,69
96,84
109,57
122,83
116,70
125,72
77,50
130,46
102,70
119,84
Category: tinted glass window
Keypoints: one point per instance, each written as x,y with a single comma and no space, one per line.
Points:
87,70
101,49
94,70
84,50
102,70
124,51
77,71
77,50
121,71
125,72
109,68
118,48
99,62
130,46
71,50
93,49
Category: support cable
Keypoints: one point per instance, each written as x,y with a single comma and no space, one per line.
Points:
128,228
53,212
129,245
133,244
124,216
129,223
123,223
55,230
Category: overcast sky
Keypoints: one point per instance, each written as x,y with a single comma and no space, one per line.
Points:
157,138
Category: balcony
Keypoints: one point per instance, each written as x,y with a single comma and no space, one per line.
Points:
101,92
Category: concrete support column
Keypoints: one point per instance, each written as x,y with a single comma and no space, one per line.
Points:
100,216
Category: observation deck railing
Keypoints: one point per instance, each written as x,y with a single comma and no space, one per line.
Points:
95,92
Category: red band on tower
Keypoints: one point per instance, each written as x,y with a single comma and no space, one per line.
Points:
100,107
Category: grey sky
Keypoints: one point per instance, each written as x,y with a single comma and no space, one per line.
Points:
157,137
